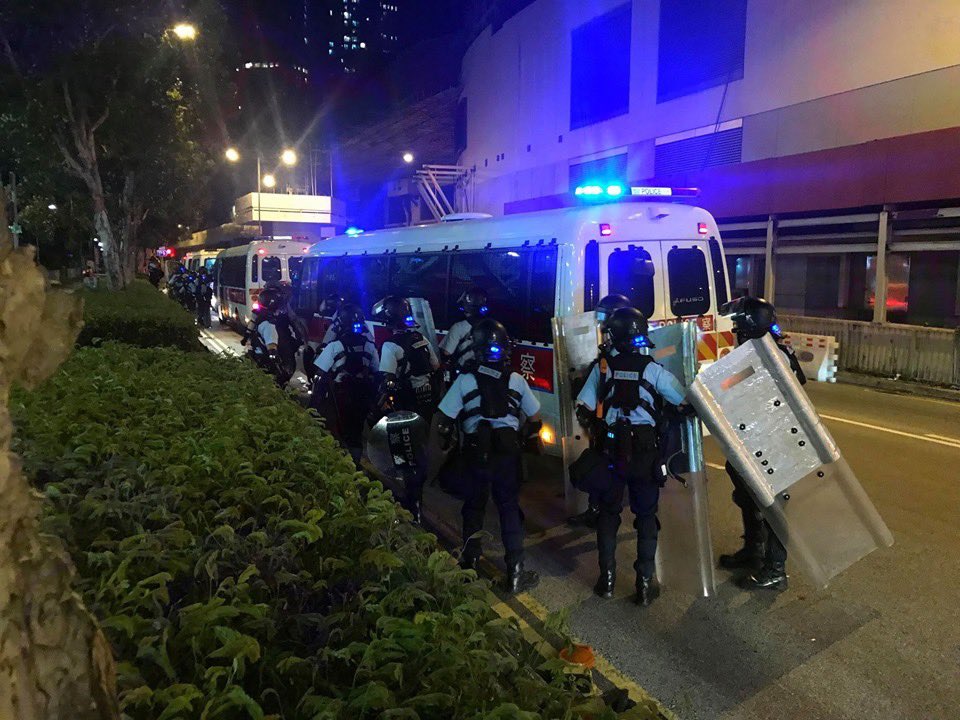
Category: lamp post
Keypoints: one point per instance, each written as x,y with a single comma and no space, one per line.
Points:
288,157
185,31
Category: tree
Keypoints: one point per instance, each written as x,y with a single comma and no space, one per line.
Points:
128,110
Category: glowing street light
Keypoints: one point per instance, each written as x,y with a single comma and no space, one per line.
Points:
408,157
288,157
269,181
51,206
232,155
185,31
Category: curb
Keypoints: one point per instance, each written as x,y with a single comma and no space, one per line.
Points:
899,387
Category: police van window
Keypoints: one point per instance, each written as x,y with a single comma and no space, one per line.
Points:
719,272
309,279
502,273
591,275
255,268
270,269
631,272
541,299
423,276
294,264
232,271
689,285
365,280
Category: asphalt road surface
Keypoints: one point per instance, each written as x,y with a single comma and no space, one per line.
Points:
882,641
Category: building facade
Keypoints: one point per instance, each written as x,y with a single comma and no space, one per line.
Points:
824,135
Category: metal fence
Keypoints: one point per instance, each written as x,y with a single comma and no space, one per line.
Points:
908,351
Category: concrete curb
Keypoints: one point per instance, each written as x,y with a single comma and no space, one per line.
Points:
899,387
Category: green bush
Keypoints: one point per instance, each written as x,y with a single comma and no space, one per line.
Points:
139,315
241,566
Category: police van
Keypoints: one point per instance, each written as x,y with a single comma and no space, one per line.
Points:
241,272
666,256
205,258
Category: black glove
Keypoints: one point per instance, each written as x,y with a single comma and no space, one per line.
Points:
586,417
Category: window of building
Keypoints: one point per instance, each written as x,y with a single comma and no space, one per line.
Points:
689,284
746,274
696,153
719,272
701,45
631,273
600,68
602,171
270,270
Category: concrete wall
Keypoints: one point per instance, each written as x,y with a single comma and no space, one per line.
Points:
818,74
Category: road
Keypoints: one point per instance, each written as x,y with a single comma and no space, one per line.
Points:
882,641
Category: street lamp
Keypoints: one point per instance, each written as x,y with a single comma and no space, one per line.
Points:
232,154
185,31
288,157
408,157
51,206
269,181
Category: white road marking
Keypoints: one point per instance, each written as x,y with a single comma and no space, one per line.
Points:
944,437
948,442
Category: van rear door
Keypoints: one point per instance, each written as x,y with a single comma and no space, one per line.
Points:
634,269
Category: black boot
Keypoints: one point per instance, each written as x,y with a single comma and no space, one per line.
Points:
772,576
588,518
749,556
606,583
519,580
648,590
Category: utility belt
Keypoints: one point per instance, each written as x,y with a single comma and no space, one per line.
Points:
487,442
622,441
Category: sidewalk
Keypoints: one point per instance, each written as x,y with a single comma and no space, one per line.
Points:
901,387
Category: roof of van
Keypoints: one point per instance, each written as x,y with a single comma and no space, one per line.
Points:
268,245
523,227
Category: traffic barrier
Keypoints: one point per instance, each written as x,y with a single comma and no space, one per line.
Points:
817,355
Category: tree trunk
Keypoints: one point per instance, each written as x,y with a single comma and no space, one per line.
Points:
55,663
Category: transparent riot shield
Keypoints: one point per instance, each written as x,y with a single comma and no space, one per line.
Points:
684,548
397,444
423,315
773,436
575,342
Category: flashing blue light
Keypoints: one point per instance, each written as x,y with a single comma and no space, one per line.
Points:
775,329
353,231
358,328
409,321
641,341
614,190
599,191
484,309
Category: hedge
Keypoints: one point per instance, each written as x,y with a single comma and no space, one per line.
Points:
241,566
139,315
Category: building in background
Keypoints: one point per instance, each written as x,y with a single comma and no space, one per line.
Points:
354,35
824,135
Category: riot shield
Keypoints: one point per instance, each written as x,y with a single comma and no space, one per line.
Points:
575,343
773,436
684,549
397,444
423,315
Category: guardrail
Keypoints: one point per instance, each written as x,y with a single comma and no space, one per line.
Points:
908,351
817,355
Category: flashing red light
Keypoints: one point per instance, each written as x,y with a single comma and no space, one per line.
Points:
605,230
262,251
256,307
702,228
306,249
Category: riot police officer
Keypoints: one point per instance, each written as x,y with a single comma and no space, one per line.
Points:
273,338
621,406
605,308
408,365
457,347
329,308
343,390
490,403
203,293
762,553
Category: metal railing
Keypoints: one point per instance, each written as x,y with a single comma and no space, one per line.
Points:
906,351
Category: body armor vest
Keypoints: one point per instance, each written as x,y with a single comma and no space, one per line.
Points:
497,399
354,360
620,385
416,354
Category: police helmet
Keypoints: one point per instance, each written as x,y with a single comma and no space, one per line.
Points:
331,304
395,312
350,320
753,317
609,304
473,302
491,342
628,330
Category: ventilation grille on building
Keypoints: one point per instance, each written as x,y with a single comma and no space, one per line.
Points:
697,153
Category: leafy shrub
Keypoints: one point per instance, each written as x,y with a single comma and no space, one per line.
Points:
139,315
240,565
